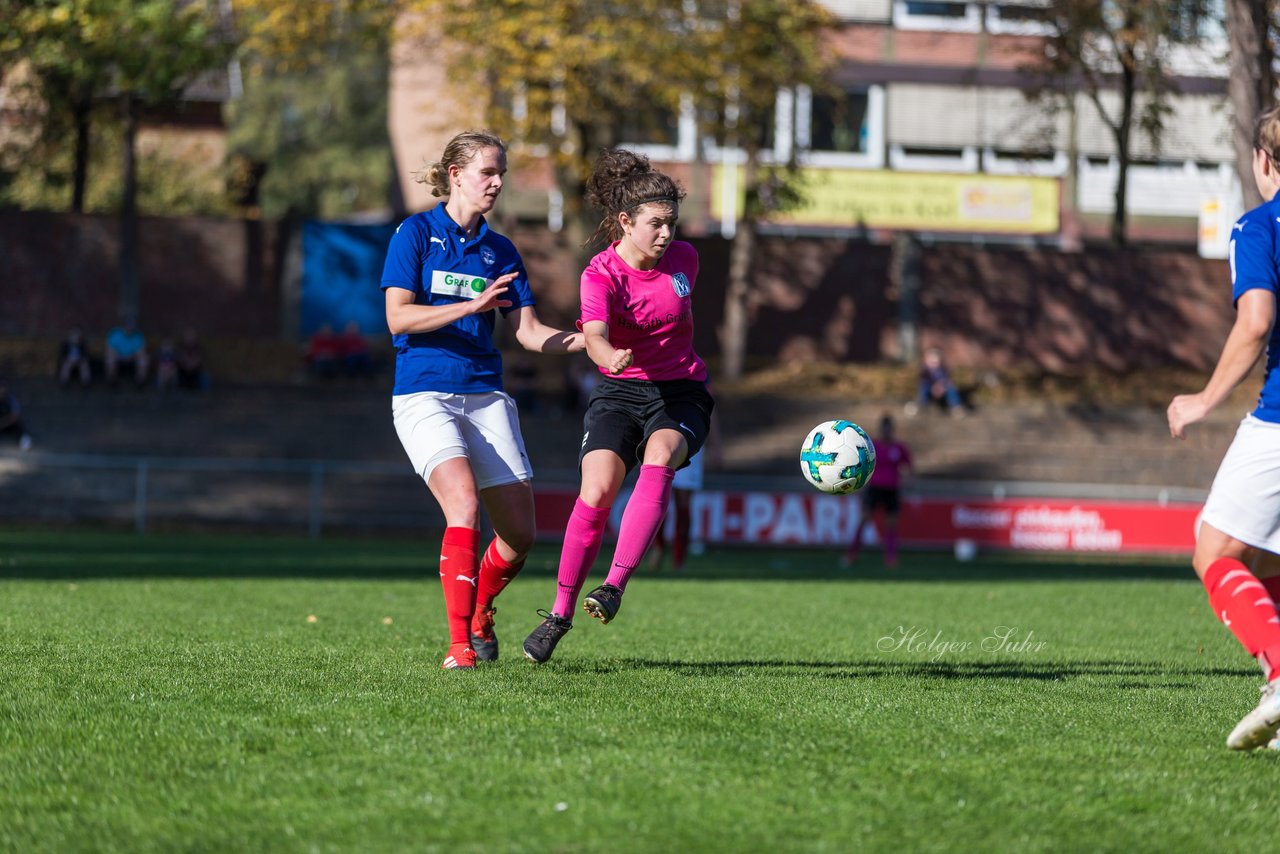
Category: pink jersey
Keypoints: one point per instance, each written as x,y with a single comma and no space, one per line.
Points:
891,459
649,312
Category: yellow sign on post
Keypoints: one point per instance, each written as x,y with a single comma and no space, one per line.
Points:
918,201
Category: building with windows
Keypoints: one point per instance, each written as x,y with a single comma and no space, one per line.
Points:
930,128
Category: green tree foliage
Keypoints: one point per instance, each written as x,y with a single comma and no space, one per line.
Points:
566,75
73,59
136,54
308,136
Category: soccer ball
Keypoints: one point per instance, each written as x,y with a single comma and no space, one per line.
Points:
837,457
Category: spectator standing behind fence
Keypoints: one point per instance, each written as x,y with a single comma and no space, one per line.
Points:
936,386
446,276
127,352
11,425
74,361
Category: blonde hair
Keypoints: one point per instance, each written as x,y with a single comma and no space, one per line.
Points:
1266,132
623,182
458,152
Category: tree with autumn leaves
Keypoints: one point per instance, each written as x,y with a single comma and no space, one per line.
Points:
565,76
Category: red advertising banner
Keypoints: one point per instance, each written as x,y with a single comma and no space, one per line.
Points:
813,519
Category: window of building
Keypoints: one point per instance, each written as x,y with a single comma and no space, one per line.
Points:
956,16
838,123
915,158
1020,18
998,161
843,130
654,126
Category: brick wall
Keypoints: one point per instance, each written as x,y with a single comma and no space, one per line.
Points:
61,270
830,299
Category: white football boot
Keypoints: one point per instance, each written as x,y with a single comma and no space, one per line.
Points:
1258,727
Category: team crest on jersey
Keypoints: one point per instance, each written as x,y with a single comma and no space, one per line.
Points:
486,254
680,282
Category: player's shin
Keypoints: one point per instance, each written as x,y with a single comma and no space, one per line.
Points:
646,510
582,538
459,578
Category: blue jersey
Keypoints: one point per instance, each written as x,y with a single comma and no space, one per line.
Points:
431,256
1254,253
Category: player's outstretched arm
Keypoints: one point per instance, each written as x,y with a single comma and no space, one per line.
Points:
1255,315
537,336
404,316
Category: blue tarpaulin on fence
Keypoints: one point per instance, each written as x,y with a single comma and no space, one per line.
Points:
341,271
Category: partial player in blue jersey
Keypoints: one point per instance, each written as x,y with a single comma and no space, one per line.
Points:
446,275
1238,535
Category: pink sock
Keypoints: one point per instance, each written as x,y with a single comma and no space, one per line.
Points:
855,547
890,546
640,521
582,538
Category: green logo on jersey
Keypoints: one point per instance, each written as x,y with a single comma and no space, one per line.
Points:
464,285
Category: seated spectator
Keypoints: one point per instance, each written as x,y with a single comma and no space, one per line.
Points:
166,365
190,358
11,426
355,351
127,352
936,386
324,353
73,360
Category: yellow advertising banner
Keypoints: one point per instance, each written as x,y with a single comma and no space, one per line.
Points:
917,201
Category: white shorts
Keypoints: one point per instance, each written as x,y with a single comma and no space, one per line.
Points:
689,477
1244,502
482,427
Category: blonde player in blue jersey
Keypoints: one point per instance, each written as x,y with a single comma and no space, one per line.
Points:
1239,530
446,275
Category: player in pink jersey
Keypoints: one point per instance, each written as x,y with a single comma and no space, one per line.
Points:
651,407
893,459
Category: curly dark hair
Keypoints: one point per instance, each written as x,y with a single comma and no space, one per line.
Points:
622,182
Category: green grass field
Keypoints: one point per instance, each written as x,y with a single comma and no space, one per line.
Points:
170,693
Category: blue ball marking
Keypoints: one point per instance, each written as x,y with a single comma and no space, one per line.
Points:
813,457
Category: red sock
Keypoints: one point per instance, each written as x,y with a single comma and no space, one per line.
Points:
495,574
458,576
1273,587
680,542
1245,606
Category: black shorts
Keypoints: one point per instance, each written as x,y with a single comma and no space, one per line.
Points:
879,496
623,414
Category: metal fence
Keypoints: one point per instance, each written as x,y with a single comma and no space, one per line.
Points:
312,496
272,494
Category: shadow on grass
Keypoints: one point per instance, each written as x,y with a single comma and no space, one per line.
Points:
875,668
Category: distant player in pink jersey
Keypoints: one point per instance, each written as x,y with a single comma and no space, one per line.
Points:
883,491
651,407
